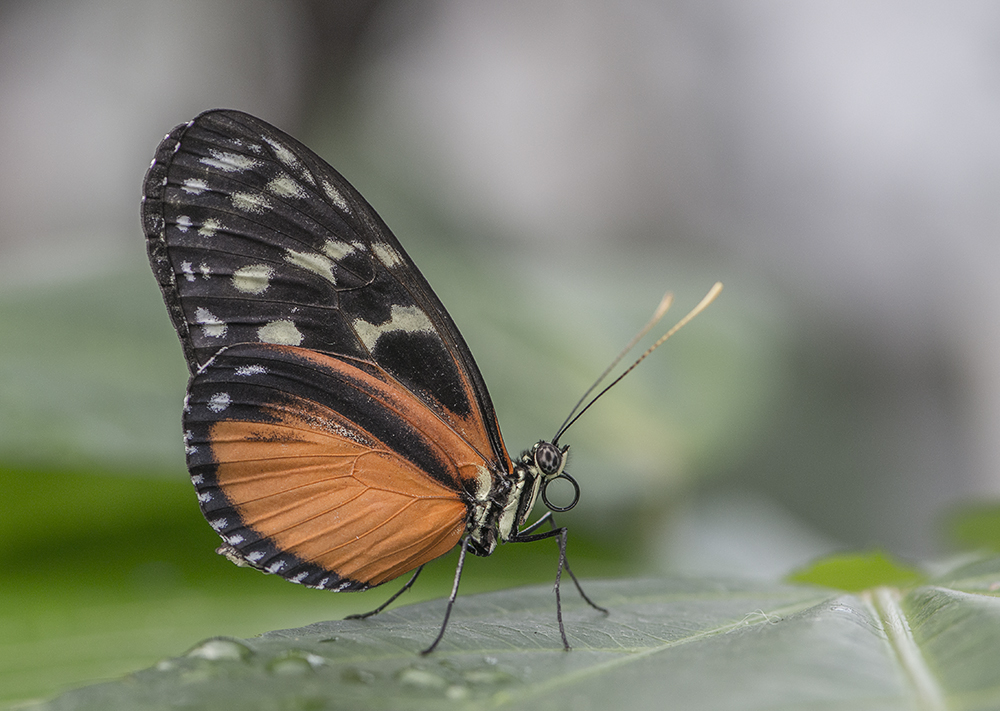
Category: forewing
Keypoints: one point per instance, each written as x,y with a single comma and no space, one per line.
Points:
322,469
255,239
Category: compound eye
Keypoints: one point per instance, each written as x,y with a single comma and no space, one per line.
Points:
549,458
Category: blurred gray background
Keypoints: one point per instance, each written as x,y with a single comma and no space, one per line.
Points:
553,168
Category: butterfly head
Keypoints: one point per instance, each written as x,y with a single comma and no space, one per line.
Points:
538,467
532,473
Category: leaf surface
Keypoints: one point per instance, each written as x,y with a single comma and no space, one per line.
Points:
683,643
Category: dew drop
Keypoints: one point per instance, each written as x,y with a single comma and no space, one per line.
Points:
296,662
290,666
421,678
219,649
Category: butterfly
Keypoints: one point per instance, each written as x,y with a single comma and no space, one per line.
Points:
338,431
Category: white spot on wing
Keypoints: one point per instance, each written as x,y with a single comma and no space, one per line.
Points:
219,524
250,202
255,556
336,249
206,271
210,324
282,333
209,227
219,402
253,279
248,370
194,186
299,577
387,254
288,158
335,197
187,270
204,497
313,262
408,319
183,223
229,162
275,566
286,187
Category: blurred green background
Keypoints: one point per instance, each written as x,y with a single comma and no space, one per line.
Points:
553,171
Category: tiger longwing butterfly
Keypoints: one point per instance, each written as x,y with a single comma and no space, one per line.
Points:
338,431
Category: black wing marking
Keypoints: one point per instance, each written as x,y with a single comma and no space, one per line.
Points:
254,238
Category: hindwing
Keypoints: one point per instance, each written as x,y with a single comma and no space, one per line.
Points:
322,469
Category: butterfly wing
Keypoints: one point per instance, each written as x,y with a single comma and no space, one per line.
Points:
339,431
322,469
255,239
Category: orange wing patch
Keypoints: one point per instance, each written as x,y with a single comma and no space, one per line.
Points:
318,485
363,513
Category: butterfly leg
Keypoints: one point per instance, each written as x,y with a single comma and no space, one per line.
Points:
409,584
565,561
451,598
526,535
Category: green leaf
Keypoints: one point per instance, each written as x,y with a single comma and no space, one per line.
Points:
976,526
858,571
672,642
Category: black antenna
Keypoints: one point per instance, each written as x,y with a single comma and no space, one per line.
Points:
657,315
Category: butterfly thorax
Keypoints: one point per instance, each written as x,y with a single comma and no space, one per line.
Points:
498,519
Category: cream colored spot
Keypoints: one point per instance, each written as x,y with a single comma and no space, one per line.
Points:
229,162
206,271
288,158
188,270
484,483
210,324
194,186
253,279
183,223
285,186
219,402
209,227
282,333
408,319
387,254
310,261
335,197
250,202
335,249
